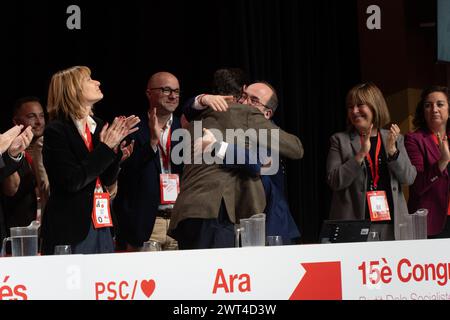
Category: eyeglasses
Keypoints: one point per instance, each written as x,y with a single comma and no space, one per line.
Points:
252,101
167,91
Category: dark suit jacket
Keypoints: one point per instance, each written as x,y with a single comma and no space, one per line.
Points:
279,221
138,194
20,209
7,168
204,186
430,190
72,172
189,112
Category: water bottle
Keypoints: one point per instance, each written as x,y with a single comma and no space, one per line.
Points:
420,223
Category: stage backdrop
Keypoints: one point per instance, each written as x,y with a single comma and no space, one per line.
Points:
307,49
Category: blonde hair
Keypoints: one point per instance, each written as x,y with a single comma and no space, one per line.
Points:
370,95
64,93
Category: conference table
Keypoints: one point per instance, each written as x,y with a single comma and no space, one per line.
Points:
377,270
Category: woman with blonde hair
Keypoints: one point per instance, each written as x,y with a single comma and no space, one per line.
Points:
81,154
367,165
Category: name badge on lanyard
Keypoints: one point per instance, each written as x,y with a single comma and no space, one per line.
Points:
170,188
101,213
378,206
169,183
377,200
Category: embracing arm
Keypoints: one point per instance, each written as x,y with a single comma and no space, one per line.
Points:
288,145
242,159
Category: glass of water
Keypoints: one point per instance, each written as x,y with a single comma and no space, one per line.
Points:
63,249
373,236
274,240
151,245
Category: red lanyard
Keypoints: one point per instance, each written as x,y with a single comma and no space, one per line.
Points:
374,169
29,159
166,155
90,146
435,139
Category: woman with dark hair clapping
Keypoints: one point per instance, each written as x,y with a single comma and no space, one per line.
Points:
429,153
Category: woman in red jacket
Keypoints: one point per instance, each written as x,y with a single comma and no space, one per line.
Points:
428,150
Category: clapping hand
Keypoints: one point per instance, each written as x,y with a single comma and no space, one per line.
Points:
443,147
7,138
121,127
365,144
155,129
394,131
365,141
126,150
21,142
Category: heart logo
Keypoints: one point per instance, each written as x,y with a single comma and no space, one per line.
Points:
148,287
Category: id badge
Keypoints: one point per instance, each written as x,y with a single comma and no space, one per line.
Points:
378,206
170,188
101,213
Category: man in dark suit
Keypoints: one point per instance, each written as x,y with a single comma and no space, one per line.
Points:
12,145
213,199
279,221
21,208
138,204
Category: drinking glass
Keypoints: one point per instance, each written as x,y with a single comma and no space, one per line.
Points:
274,241
373,236
63,249
237,235
151,245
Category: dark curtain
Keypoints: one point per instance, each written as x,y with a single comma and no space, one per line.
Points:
307,49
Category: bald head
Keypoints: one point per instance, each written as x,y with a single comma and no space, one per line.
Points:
262,96
261,90
163,93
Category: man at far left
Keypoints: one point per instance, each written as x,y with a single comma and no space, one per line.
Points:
22,207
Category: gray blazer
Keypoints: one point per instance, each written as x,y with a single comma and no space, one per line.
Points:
348,179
